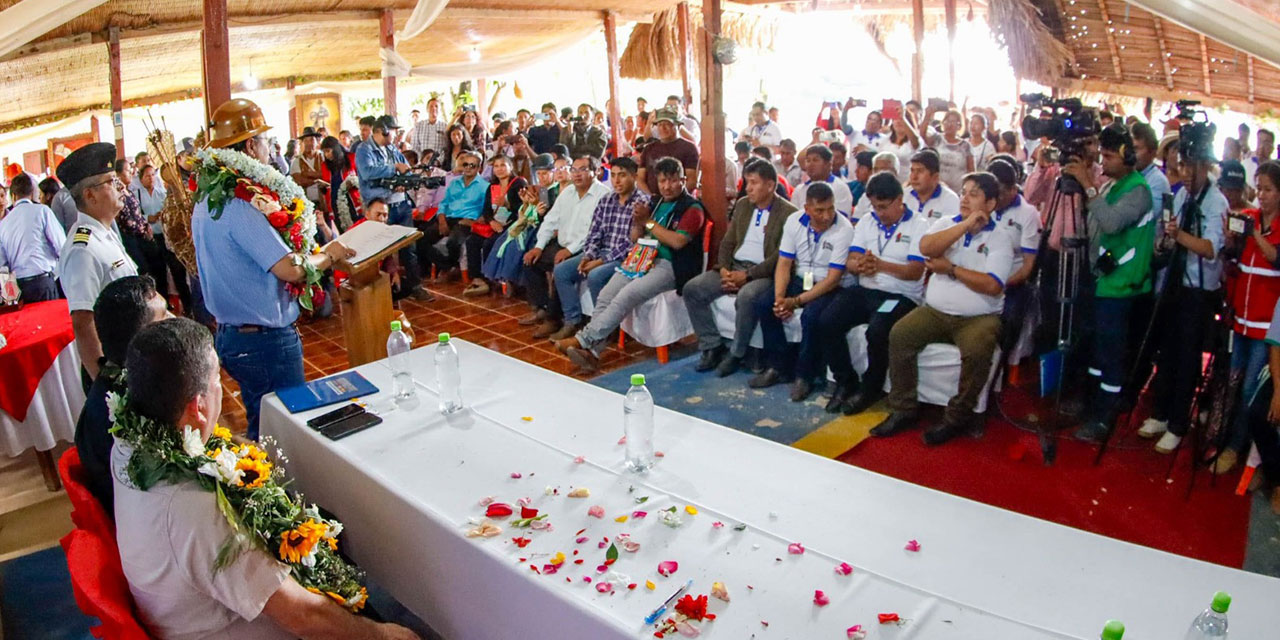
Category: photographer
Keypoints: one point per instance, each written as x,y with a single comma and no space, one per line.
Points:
1264,411
1121,241
378,158
1195,235
584,138
1254,290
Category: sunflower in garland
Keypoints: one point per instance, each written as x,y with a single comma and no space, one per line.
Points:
299,545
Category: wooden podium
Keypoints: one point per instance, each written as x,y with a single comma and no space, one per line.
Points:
366,305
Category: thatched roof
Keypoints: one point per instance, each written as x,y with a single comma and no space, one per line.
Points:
1117,47
66,70
653,52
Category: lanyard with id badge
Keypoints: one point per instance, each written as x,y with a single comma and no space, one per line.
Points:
812,242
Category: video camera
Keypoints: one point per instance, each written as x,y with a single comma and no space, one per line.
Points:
1195,138
409,181
1069,124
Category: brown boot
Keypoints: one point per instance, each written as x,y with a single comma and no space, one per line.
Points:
545,329
567,331
589,363
532,318
563,345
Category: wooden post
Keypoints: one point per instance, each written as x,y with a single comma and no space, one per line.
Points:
917,58
215,50
117,93
682,21
711,83
482,99
293,109
949,6
387,39
615,107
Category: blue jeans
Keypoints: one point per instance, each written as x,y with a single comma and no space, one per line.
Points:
810,363
261,362
567,278
1248,357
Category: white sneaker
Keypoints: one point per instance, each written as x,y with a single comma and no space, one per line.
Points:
1168,442
1151,427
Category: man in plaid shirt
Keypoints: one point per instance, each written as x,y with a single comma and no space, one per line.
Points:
606,246
429,133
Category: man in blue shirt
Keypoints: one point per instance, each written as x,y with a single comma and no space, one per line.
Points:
244,270
466,198
378,158
31,240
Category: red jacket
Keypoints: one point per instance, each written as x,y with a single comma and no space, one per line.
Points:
1256,287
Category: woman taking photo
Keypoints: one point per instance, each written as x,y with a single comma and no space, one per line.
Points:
1254,290
903,142
470,121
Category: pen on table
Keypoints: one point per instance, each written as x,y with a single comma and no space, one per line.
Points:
660,611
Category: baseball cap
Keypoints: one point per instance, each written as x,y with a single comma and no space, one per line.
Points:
665,114
543,161
387,122
1232,176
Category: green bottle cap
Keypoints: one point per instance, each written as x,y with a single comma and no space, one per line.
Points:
444,337
637,379
395,325
1221,601
1113,631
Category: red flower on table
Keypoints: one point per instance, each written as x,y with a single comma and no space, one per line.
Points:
691,607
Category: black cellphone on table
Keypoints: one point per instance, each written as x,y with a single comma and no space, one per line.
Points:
341,413
349,426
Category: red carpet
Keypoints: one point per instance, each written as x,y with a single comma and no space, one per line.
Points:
1125,497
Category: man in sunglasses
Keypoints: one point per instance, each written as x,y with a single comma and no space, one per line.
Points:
93,256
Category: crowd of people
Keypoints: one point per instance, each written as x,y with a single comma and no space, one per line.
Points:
1131,252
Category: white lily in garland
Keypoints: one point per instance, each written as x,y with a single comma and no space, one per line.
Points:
223,467
192,441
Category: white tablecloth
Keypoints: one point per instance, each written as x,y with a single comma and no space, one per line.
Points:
407,488
54,409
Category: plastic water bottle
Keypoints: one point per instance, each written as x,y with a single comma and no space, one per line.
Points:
1213,622
637,425
448,375
1114,630
398,346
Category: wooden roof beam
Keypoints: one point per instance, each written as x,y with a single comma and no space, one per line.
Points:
1204,65
1164,51
1111,39
1249,63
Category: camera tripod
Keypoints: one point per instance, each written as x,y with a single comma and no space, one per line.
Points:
1072,259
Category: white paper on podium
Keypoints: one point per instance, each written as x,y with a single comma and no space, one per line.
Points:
370,237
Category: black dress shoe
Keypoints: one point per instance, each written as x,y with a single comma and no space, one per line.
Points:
1092,432
946,432
710,358
861,401
897,422
800,390
767,378
728,366
838,396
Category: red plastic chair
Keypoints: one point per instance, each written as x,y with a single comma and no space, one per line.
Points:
93,559
86,512
99,586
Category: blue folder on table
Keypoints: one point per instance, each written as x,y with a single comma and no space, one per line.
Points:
325,391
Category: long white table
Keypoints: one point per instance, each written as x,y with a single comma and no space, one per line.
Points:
408,489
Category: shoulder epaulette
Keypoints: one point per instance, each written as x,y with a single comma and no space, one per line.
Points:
81,236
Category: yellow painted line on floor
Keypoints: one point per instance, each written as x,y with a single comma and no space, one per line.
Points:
841,434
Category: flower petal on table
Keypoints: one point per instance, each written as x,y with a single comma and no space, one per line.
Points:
579,460
517,475
820,598
580,492
718,590
912,545
844,568
855,632
499,510
487,500
795,548
668,567
604,587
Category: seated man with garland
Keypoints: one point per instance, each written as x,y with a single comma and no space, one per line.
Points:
192,575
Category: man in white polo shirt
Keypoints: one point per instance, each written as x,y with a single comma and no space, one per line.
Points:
928,197
763,132
817,169
885,255
970,258
811,263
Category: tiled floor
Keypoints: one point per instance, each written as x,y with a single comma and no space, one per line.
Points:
490,321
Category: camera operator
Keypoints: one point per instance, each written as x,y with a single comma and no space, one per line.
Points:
1195,234
1121,241
377,158
582,137
1254,286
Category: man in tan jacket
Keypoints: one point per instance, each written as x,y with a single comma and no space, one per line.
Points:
744,268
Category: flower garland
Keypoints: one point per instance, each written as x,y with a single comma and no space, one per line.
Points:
220,175
250,494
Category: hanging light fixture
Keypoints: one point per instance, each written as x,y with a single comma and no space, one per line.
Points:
474,54
250,80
